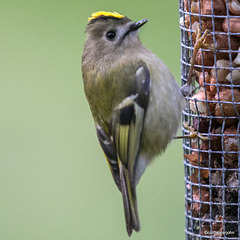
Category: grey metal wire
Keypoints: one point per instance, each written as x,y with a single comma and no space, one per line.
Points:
212,205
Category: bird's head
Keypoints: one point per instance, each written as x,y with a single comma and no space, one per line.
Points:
111,31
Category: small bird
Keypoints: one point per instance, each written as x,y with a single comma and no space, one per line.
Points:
134,99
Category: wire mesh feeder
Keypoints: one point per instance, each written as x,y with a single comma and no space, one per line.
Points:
212,160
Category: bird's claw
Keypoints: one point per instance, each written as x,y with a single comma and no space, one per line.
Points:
192,133
200,38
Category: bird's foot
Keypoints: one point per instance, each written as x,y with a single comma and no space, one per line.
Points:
200,40
192,133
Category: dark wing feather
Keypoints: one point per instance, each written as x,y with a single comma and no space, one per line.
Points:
110,153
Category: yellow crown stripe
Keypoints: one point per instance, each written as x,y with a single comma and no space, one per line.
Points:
106,14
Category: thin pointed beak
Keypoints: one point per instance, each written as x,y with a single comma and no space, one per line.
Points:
136,25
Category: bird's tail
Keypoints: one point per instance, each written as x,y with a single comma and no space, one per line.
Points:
128,190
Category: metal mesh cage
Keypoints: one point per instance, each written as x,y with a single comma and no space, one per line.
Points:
212,159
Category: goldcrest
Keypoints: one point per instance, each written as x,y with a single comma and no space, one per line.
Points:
134,99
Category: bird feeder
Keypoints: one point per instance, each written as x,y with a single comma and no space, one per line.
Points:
212,113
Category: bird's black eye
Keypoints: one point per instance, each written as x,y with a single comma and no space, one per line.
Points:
111,35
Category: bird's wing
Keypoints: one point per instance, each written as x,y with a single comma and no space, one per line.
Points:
121,149
110,154
127,127
128,121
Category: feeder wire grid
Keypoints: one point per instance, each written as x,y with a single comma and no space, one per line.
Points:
212,159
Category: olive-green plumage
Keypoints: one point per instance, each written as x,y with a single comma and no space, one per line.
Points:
135,102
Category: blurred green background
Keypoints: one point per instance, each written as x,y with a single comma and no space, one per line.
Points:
54,180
